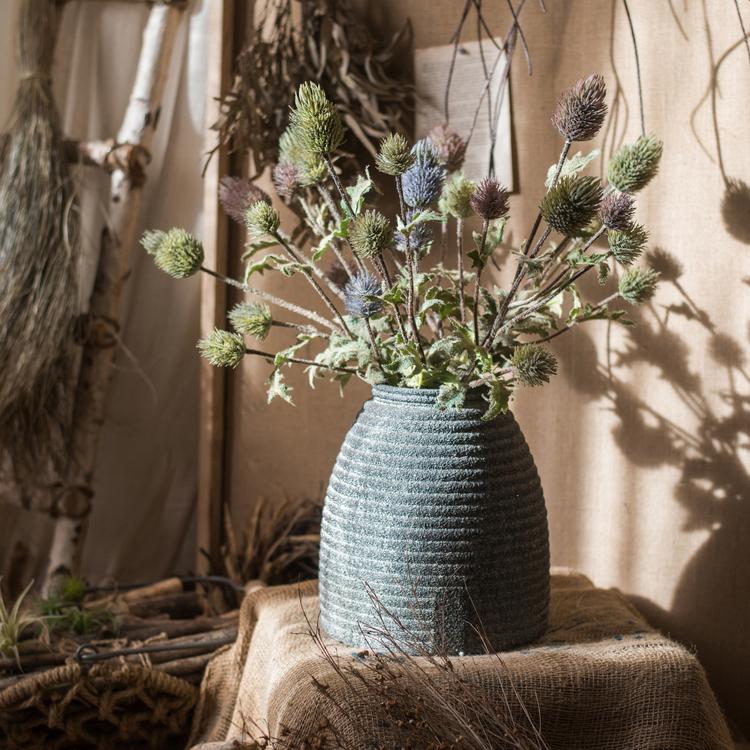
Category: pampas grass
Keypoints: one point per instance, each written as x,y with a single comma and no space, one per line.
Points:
38,259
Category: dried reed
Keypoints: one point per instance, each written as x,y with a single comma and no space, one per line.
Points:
38,259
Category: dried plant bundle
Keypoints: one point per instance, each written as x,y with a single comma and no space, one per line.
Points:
38,259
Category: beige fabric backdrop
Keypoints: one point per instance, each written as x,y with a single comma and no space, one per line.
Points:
142,522
642,440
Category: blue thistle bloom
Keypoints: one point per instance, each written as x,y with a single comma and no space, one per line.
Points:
358,295
420,238
423,181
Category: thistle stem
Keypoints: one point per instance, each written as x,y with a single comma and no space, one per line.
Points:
297,327
374,344
478,281
385,277
596,308
337,183
301,361
314,284
303,311
460,251
561,163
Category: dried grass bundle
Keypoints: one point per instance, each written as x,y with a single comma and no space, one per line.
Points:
329,45
38,259
278,543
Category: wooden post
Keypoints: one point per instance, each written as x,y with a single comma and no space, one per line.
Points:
213,293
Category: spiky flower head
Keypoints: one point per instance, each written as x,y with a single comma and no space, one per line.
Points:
423,182
261,219
420,237
222,348
627,244
534,365
395,156
286,179
315,121
490,199
634,166
359,296
638,285
457,196
251,319
571,204
450,146
581,110
311,167
175,252
616,211
369,234
237,194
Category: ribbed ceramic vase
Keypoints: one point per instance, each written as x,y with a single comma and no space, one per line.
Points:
439,517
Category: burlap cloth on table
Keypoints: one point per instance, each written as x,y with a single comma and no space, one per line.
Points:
600,679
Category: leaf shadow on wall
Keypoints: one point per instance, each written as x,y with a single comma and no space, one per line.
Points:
710,605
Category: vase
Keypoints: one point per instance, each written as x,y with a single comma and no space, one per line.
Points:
434,530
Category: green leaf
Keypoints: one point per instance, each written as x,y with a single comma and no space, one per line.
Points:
499,399
573,165
358,191
278,389
451,395
255,247
281,357
418,218
325,243
269,262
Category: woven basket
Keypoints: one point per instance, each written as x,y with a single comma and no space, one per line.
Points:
434,526
110,706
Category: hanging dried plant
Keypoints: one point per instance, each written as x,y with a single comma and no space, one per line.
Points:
329,45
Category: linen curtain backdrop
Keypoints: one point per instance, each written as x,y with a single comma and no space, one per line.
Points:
142,522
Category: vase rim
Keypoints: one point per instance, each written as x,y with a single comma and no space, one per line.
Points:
401,394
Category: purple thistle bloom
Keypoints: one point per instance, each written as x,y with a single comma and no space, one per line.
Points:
423,182
358,296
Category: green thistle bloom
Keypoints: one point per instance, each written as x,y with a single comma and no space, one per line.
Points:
395,155
251,319
534,365
222,348
175,252
633,167
638,285
261,219
627,244
571,204
369,234
312,168
315,121
457,197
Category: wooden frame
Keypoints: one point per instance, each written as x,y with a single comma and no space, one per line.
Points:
213,380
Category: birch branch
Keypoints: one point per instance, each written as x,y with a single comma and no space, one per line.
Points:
118,239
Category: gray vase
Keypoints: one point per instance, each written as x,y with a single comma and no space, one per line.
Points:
434,526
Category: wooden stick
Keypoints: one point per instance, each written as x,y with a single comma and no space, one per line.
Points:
118,240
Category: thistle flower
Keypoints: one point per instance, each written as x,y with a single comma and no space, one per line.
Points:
571,204
250,319
369,234
425,153
633,167
490,199
315,121
582,109
627,244
420,237
359,296
175,252
286,179
312,169
638,285
395,156
616,211
534,365
423,182
222,348
261,219
449,145
457,196
237,194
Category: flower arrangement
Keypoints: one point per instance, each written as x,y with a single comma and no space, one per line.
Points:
393,312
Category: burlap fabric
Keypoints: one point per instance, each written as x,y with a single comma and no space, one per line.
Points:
599,679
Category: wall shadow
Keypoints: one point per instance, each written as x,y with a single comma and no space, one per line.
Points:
710,605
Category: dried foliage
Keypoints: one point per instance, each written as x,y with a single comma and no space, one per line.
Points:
38,260
330,45
278,543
